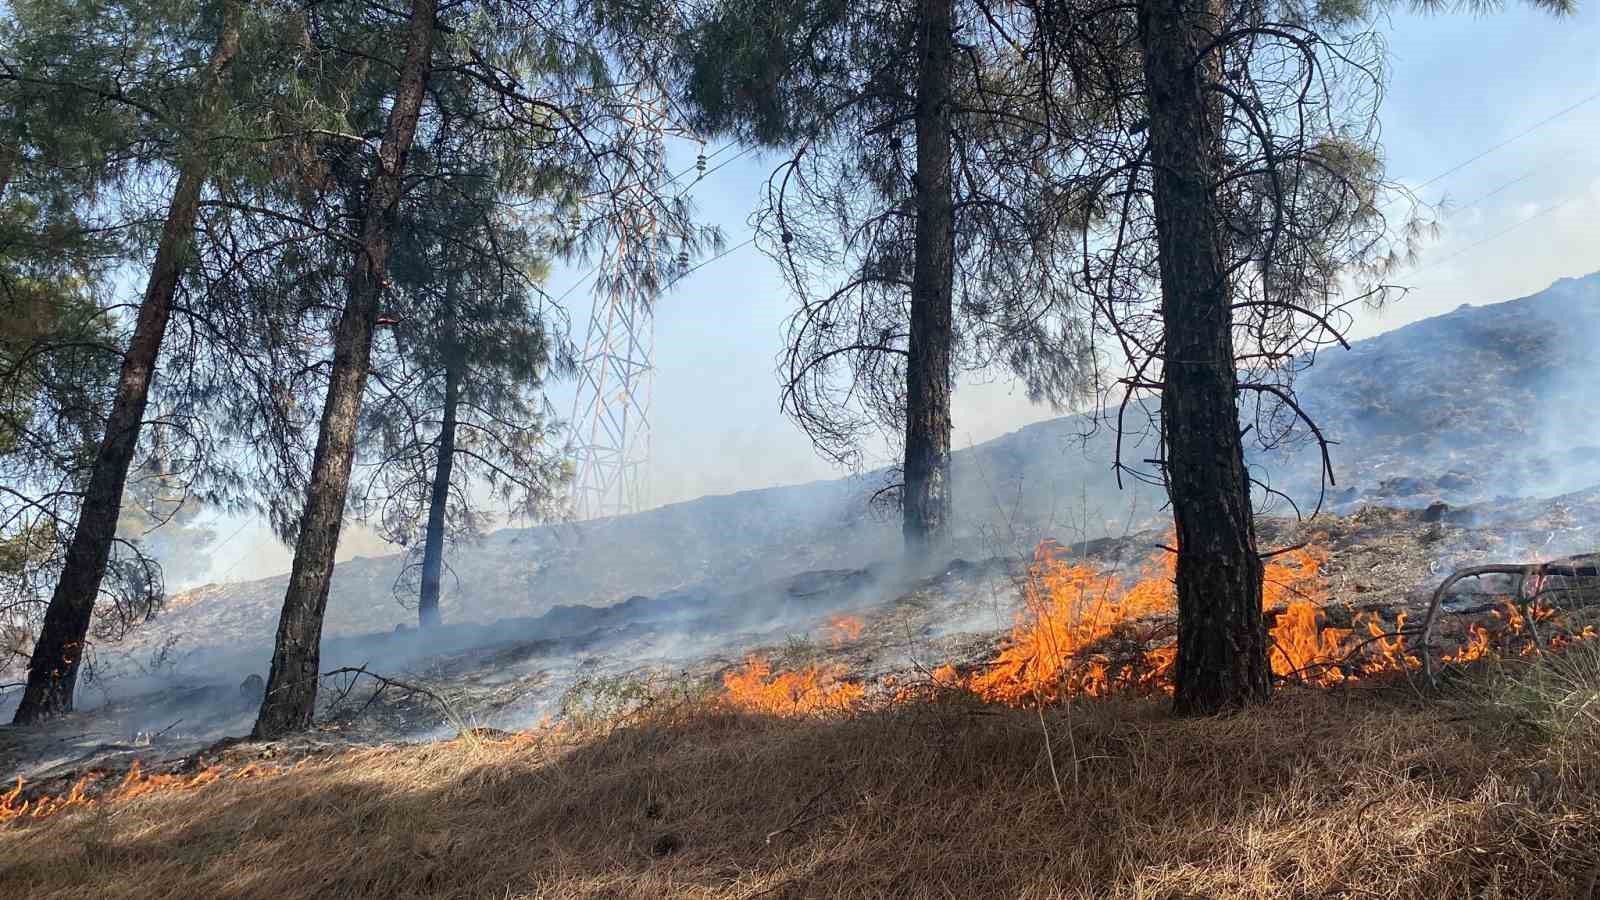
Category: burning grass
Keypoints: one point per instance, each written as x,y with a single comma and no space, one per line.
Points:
1083,632
89,789
814,689
1362,791
842,629
804,783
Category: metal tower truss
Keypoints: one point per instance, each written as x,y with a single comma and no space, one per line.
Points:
611,413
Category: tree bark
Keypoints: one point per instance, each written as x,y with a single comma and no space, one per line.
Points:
433,545
926,469
53,668
291,691
1222,640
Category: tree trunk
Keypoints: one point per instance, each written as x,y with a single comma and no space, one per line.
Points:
1222,640
53,668
433,546
927,448
291,691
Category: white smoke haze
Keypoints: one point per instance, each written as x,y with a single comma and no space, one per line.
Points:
754,538
1486,402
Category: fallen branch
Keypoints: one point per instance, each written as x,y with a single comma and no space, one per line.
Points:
1524,571
384,683
1344,662
1282,550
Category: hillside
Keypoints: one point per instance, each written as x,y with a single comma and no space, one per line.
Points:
1485,401
857,729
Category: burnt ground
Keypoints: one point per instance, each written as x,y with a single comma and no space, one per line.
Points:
579,659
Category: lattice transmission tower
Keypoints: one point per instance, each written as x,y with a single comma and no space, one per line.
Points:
611,412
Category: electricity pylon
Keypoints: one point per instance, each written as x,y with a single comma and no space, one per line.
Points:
611,412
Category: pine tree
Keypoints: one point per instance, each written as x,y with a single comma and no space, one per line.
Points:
292,681
916,171
1222,640
53,666
533,80
460,411
1247,195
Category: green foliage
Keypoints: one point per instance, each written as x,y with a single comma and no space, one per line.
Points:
799,651
605,699
775,73
95,104
836,84
163,519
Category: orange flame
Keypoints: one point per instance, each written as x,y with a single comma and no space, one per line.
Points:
946,676
1083,633
135,783
1303,646
813,689
1061,643
843,629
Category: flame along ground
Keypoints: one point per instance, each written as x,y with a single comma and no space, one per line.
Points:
842,629
755,688
135,783
1082,632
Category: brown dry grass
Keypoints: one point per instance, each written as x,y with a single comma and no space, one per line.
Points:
1360,792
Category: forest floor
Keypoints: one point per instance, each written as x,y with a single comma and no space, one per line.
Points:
1489,787
845,749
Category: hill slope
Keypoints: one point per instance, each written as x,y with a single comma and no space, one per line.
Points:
1481,402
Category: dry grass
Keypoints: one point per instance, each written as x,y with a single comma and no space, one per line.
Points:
1359,792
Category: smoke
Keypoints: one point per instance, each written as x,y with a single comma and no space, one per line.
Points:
1482,402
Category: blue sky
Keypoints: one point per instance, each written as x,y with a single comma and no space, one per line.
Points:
1460,86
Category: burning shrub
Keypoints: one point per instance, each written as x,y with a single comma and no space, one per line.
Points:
813,689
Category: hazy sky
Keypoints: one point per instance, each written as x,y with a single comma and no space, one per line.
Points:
1523,215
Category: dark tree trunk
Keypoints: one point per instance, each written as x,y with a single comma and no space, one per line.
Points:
291,691
1222,640
927,460
8,168
53,668
433,545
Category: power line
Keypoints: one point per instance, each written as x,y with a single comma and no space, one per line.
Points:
1565,111
1515,181
741,154
719,151
707,174
697,267
1510,140
576,284
1497,235
226,542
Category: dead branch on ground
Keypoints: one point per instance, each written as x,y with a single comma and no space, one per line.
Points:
1525,572
384,684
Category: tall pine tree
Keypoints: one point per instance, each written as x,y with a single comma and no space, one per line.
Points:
58,653
913,219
